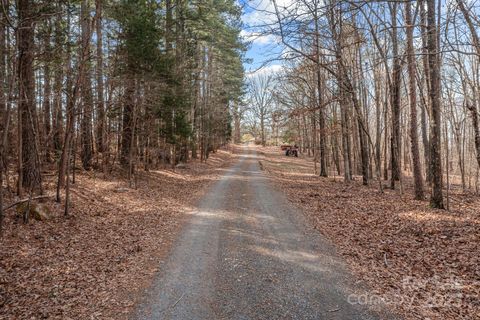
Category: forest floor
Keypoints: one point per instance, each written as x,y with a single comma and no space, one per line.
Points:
423,263
95,263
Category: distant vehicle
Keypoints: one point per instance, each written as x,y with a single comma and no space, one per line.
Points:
290,150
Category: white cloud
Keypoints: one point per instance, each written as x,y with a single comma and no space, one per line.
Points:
257,38
267,70
263,11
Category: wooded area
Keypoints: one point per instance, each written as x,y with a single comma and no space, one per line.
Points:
379,89
130,189
96,84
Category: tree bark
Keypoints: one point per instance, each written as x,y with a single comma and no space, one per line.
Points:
476,130
427,107
3,70
100,132
236,123
417,170
395,102
86,88
321,111
127,121
46,96
58,123
30,164
436,200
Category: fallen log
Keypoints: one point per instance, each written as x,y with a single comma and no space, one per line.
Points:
25,200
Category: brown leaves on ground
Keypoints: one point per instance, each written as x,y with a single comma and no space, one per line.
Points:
95,263
421,262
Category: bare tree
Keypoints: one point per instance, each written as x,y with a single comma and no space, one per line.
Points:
436,199
417,170
261,100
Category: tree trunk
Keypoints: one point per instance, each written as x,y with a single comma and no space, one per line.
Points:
86,87
127,121
236,123
30,165
100,132
262,129
58,130
395,102
363,151
436,200
3,71
344,114
46,95
378,117
417,170
476,130
321,111
427,107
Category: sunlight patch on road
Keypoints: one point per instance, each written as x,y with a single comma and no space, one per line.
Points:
304,259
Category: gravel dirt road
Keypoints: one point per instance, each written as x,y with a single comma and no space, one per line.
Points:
247,253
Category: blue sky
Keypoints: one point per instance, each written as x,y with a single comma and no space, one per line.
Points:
264,48
267,47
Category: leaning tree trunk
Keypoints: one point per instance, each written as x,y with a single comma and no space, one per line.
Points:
471,107
470,25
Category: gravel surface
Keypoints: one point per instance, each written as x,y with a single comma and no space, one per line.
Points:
247,253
